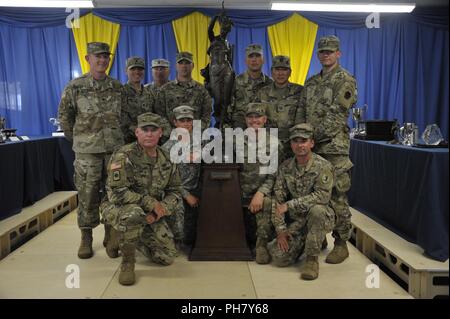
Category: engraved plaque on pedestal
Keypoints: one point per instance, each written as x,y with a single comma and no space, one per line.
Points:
220,225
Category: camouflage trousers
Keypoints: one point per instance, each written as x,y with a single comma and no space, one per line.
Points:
339,201
319,221
176,223
90,178
258,225
155,241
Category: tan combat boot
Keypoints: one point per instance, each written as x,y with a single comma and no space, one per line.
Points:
339,252
107,235
311,270
112,247
126,276
262,255
85,251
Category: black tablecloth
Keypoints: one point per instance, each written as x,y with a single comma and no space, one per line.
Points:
405,189
30,170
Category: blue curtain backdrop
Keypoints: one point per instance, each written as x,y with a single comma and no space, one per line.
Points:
151,42
401,68
35,65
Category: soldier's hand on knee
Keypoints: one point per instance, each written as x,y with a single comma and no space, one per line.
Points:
192,200
283,241
281,209
256,204
159,210
150,218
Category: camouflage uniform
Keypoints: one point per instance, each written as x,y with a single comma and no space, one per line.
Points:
307,191
138,103
283,104
245,91
135,182
90,114
325,103
191,93
152,87
185,226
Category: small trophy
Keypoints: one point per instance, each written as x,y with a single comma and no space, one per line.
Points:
57,124
2,127
358,115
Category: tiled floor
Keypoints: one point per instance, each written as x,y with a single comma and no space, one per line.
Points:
38,270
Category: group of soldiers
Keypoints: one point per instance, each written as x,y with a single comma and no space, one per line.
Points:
126,180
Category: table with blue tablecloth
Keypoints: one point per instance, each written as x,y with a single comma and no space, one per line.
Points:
33,169
405,189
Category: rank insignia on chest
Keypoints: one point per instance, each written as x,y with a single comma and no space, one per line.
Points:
116,176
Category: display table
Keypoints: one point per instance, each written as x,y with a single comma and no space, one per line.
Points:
405,189
30,170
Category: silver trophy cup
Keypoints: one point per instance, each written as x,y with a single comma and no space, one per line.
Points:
56,123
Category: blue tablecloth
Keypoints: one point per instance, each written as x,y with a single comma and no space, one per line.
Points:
30,170
405,189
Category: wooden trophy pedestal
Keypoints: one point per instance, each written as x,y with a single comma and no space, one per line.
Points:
220,225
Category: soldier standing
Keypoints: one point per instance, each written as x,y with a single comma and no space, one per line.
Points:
160,74
186,226
257,186
302,217
246,86
90,115
283,98
325,103
143,189
139,100
185,91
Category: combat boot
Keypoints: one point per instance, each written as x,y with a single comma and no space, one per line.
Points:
107,235
311,270
262,254
126,276
339,252
85,250
112,247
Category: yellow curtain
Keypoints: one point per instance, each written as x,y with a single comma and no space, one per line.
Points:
294,37
95,29
191,34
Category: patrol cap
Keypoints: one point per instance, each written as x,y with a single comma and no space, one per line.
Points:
253,48
256,108
97,47
304,130
135,62
183,111
149,119
281,61
184,55
328,43
160,62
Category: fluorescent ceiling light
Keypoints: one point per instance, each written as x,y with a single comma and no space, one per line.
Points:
47,3
343,7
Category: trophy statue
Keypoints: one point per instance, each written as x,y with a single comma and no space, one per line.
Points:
409,134
220,225
57,124
6,133
219,74
358,115
2,127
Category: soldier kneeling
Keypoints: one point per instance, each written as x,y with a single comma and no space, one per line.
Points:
143,187
302,216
